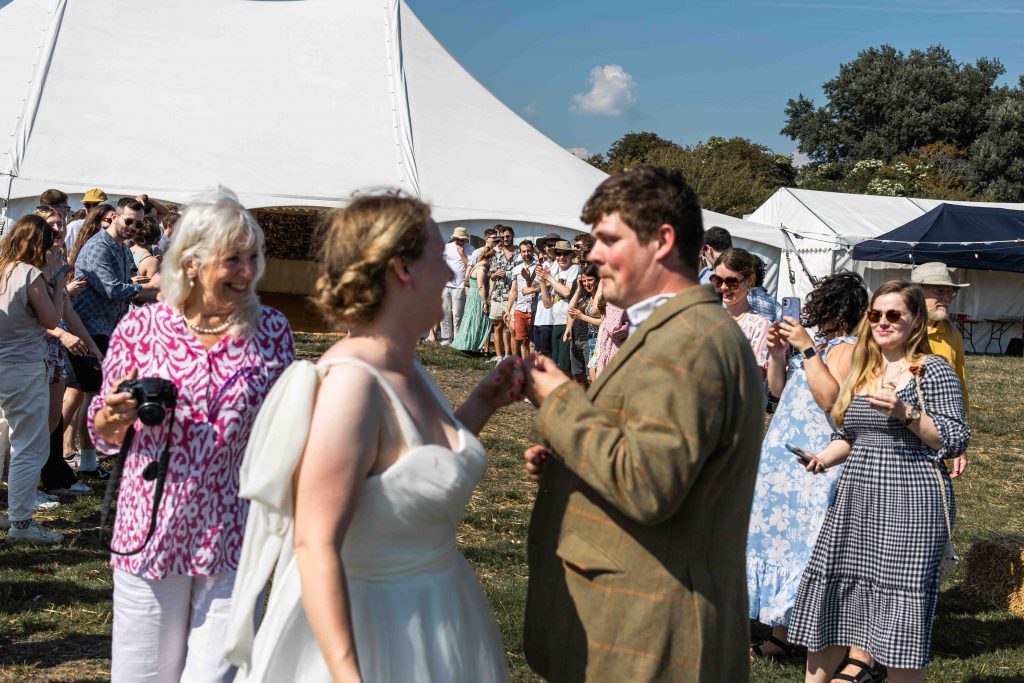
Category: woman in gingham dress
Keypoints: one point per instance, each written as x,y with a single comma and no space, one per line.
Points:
872,582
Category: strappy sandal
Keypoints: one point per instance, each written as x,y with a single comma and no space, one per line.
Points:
867,673
788,649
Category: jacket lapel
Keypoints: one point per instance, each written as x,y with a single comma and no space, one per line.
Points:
680,302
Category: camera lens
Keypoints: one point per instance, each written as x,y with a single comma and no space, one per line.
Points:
151,414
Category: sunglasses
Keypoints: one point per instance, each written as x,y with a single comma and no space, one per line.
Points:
563,253
892,315
727,282
131,221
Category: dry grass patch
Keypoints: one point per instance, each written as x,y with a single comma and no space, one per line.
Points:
55,603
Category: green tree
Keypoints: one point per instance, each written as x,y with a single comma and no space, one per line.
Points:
885,103
730,175
997,156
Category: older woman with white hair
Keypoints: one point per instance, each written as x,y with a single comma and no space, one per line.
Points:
177,536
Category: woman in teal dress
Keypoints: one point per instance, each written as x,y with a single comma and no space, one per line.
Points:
789,502
475,327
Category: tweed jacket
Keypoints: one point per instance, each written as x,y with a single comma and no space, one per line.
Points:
638,536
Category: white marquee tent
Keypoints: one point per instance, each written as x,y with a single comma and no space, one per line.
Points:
288,103
821,228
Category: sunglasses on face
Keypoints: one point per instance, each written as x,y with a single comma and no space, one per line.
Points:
560,254
726,282
130,221
892,315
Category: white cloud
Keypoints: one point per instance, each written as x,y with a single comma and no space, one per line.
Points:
530,110
799,159
611,92
581,152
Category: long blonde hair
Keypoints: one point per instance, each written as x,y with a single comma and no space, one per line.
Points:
867,363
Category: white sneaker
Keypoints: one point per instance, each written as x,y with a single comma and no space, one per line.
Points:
34,533
49,496
446,342
43,502
76,489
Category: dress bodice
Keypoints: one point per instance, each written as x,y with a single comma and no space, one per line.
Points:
407,516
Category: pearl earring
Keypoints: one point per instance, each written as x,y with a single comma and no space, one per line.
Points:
191,283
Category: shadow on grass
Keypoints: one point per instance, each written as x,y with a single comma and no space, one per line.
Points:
54,652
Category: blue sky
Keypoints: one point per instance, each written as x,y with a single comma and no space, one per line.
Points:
688,70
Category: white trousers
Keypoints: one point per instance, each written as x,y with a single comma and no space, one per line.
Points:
171,629
454,301
24,406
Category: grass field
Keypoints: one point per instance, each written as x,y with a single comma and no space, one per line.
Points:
55,607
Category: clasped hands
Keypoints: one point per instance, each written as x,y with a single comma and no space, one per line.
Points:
514,379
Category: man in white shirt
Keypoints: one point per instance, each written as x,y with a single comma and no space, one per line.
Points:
456,255
522,299
558,282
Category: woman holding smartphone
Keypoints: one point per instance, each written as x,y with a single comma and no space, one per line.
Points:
807,384
873,579
29,305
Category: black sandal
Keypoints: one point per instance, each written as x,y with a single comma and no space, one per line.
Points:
867,673
788,649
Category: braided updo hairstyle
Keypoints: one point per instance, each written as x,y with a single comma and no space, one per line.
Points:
358,243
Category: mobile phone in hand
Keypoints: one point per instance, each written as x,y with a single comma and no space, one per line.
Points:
800,453
791,307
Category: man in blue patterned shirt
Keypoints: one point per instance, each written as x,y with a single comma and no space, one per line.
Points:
759,299
107,263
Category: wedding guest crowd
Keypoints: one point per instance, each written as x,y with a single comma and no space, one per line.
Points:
649,348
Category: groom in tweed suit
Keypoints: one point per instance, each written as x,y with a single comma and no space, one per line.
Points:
638,535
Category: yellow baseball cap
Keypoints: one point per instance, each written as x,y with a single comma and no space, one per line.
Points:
94,196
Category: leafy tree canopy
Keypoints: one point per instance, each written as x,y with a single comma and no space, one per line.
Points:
918,124
732,176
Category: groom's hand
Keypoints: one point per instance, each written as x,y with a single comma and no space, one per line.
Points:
542,377
536,458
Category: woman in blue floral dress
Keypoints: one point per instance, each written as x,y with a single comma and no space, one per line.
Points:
790,503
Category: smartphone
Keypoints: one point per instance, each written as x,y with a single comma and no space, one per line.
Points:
799,453
791,307
63,270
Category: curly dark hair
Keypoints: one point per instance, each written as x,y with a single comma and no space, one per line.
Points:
836,305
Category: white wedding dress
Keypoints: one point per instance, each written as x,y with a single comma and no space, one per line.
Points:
418,610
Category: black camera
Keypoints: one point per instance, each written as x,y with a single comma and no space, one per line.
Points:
154,396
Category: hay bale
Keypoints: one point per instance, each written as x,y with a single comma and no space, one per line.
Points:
994,572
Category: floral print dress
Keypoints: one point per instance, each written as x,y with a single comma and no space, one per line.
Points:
789,502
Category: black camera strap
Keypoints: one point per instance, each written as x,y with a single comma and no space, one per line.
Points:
159,473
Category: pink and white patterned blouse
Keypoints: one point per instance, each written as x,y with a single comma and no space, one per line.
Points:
756,327
201,520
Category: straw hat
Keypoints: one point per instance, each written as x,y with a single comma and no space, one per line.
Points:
562,245
936,274
459,234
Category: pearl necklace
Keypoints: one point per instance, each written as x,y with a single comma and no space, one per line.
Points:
220,329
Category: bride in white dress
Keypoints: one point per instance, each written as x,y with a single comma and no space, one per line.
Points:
358,474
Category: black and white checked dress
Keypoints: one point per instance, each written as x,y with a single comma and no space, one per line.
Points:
872,580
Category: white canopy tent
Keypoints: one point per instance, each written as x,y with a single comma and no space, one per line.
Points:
287,103
821,228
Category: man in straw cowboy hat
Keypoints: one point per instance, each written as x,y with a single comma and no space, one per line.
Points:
943,337
456,255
